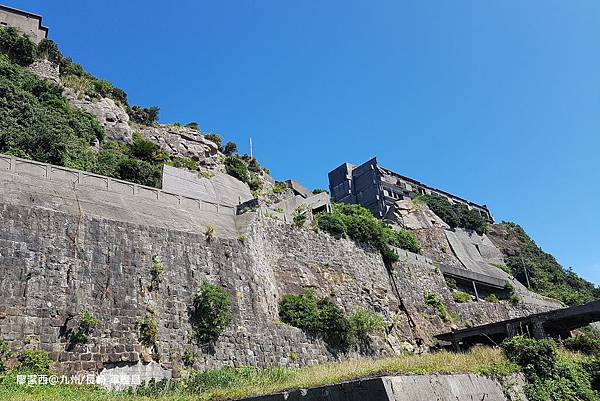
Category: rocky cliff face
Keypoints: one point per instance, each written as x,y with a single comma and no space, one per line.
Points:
185,142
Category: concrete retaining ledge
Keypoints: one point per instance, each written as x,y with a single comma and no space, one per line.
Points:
459,387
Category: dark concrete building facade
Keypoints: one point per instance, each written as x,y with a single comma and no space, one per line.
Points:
377,188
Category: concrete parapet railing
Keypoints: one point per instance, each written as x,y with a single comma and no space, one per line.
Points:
85,179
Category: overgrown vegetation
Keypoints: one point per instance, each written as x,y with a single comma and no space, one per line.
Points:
86,326
157,272
144,115
461,297
34,361
586,341
357,223
4,355
211,313
454,215
236,383
237,167
546,275
436,302
322,317
550,375
148,330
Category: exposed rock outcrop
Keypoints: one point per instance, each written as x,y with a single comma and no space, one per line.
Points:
110,115
185,142
45,69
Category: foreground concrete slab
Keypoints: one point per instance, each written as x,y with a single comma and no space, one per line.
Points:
459,387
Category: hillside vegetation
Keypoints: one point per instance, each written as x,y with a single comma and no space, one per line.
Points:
546,275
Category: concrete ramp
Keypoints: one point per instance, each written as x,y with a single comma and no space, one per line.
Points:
476,252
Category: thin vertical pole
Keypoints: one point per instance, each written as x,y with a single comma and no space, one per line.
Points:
251,148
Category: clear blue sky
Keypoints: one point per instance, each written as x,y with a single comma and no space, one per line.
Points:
496,101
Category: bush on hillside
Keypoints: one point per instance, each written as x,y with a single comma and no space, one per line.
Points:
19,48
230,149
147,116
550,375
236,168
47,49
216,139
454,215
546,275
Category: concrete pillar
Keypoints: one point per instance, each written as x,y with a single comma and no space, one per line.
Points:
475,289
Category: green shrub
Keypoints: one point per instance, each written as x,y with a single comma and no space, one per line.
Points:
145,150
535,357
299,218
513,297
331,223
280,188
402,239
193,125
361,226
364,322
230,149
183,162
212,313
19,48
148,334
157,272
584,343
5,354
147,116
436,302
301,311
320,316
87,324
216,139
47,49
317,191
34,361
36,122
461,297
253,166
236,167
551,376
140,172
493,298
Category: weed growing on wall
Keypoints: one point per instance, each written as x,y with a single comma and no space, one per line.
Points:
87,324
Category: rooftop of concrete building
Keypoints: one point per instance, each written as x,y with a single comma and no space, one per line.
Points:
25,14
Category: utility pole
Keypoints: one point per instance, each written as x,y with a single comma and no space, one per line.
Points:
251,148
525,270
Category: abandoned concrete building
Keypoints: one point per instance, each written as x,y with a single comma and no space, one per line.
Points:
377,188
27,23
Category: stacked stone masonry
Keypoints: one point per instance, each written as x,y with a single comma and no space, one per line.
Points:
65,247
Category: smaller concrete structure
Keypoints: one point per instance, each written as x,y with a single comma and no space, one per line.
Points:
27,23
298,188
556,323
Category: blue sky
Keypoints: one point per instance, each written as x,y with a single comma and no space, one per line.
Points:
496,101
